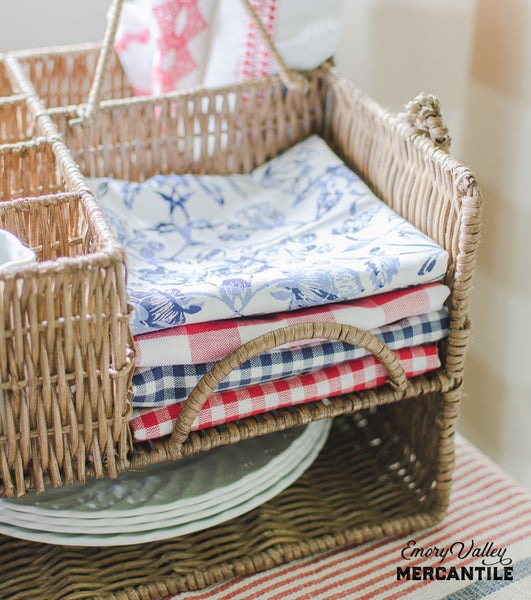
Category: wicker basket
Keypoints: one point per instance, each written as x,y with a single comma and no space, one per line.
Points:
63,76
15,123
65,346
395,442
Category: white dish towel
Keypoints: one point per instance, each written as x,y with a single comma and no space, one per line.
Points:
166,45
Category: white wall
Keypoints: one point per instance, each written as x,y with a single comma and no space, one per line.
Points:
395,49
497,412
37,23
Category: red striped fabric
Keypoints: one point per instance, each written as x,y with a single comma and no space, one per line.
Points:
485,506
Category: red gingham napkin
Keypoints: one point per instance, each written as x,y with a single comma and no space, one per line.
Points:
229,405
211,341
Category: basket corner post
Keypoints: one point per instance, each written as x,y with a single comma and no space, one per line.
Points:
447,422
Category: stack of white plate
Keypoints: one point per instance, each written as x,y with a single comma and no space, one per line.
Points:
167,499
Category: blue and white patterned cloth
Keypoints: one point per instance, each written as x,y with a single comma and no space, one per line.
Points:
163,386
300,230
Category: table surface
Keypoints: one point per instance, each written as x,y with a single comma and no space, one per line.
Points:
484,541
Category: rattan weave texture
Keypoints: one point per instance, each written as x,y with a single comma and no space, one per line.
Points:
65,348
66,357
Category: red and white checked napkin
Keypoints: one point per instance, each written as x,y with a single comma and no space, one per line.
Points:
211,341
230,405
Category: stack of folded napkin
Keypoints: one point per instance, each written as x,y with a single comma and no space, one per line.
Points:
299,239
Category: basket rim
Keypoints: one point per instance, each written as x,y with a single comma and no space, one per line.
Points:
188,94
34,142
108,249
108,252
327,69
14,99
60,49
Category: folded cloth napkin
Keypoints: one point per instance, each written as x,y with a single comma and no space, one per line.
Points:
211,341
300,230
166,45
163,386
223,407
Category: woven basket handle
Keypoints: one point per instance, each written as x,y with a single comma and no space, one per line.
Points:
291,79
304,331
423,114
86,112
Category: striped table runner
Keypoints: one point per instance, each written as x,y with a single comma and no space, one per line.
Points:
489,521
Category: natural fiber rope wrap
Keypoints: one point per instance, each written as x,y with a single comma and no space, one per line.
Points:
86,112
423,114
304,331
